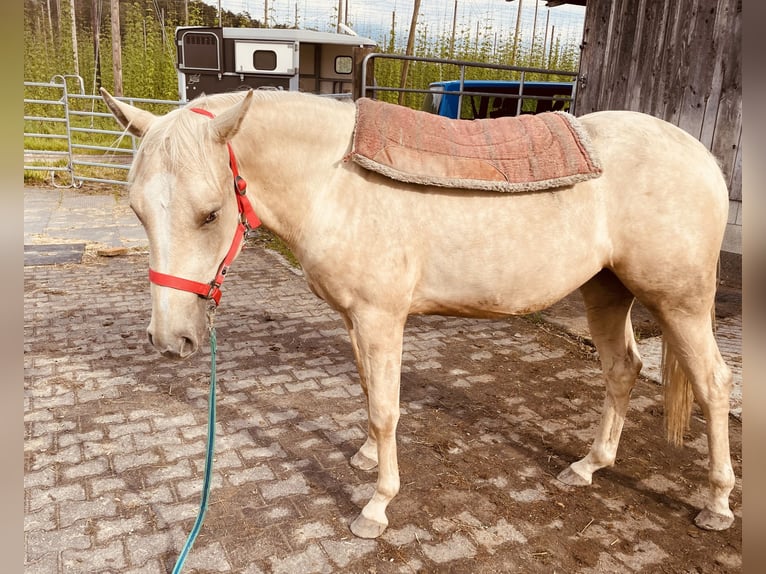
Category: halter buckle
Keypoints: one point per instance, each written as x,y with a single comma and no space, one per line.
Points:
240,185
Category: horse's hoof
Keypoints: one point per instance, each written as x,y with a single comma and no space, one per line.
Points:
709,520
363,527
569,476
363,462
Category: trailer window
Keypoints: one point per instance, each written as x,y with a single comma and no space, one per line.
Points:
199,51
344,64
265,60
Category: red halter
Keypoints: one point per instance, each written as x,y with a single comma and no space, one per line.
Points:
247,220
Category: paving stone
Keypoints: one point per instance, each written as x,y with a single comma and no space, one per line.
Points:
151,567
107,528
45,564
210,558
41,542
143,547
45,477
295,484
250,474
181,469
89,468
40,497
458,547
71,512
193,486
343,552
68,439
310,561
121,463
109,557
43,519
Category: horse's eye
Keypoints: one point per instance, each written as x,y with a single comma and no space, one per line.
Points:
212,217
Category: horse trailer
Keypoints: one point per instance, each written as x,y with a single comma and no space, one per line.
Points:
213,60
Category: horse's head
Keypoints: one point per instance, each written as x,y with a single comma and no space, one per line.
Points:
181,190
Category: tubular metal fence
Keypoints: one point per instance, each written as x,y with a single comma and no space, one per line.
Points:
372,88
73,137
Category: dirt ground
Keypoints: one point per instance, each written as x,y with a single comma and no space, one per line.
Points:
487,458
479,464
492,411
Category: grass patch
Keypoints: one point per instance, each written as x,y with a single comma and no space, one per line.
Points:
535,318
266,238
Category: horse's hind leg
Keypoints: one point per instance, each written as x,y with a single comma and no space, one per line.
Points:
690,340
608,305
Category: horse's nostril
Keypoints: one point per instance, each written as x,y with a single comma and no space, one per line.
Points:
187,347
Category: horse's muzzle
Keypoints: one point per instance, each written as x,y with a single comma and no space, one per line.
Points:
179,347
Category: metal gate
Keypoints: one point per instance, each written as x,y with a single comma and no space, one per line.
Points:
373,87
73,137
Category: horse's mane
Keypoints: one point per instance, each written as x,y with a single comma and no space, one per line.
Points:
174,139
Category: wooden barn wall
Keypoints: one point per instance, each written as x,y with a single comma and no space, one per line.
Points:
679,60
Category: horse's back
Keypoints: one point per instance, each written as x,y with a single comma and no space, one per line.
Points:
657,212
634,144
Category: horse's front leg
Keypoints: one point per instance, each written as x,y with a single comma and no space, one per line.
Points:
366,458
377,339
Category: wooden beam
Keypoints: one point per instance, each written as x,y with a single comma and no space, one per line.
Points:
554,3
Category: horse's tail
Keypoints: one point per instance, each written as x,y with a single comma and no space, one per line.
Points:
679,396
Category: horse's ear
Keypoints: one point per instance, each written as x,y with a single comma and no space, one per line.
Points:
134,120
227,123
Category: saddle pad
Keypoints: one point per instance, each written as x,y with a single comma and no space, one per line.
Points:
507,154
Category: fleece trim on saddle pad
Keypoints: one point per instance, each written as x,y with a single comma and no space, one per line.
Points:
508,154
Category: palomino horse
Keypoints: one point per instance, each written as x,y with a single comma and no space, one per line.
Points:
376,250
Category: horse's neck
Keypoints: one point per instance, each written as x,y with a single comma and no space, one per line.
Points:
294,149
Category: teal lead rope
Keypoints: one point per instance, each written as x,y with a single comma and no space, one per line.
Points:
208,458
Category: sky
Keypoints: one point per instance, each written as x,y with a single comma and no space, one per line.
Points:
373,18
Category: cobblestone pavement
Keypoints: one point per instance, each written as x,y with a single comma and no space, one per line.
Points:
492,410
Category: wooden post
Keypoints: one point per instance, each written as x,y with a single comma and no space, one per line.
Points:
452,37
545,38
58,23
116,47
96,25
410,48
392,39
534,30
50,19
516,34
74,39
